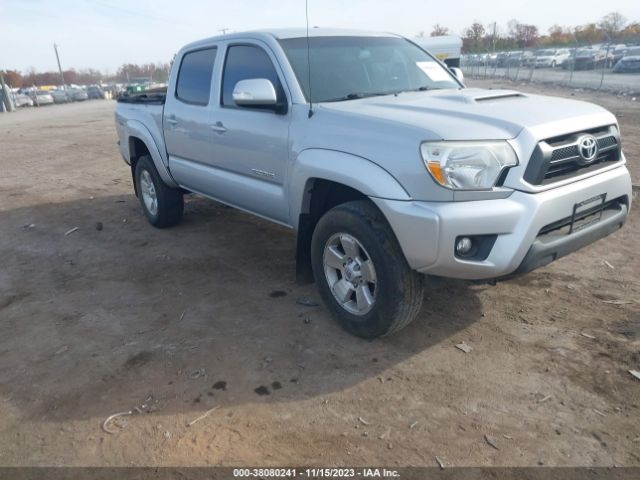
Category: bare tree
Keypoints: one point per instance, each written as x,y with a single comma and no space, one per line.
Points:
439,30
524,34
475,32
612,24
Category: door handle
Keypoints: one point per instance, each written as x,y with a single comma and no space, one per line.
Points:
171,120
218,127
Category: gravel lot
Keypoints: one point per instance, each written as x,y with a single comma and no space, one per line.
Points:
175,322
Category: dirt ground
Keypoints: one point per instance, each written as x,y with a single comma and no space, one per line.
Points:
175,322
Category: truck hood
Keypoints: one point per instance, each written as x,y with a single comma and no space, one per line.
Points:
476,114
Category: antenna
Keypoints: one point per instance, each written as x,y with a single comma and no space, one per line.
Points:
306,11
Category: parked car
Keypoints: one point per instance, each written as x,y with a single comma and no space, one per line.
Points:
78,94
95,92
630,63
514,59
61,96
586,59
617,52
491,59
501,59
41,97
528,58
22,100
552,58
380,159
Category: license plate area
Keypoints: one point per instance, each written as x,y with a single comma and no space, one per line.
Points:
587,213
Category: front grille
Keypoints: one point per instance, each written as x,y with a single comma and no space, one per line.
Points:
607,142
558,158
564,152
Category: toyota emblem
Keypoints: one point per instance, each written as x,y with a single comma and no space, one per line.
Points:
588,148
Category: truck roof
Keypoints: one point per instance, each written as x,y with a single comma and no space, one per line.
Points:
283,33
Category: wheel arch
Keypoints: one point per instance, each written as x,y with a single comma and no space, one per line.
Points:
323,179
140,142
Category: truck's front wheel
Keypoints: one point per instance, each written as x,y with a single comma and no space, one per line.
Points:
162,205
361,272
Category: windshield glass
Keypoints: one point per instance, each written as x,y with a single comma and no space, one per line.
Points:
344,68
546,53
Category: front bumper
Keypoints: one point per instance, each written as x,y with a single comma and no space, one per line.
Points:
427,231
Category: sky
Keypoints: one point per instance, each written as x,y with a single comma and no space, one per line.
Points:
104,34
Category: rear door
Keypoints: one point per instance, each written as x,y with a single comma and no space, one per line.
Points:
186,117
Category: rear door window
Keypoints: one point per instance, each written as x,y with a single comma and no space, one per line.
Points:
194,77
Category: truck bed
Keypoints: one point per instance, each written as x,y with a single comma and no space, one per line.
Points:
149,98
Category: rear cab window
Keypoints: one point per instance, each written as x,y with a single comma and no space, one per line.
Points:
194,77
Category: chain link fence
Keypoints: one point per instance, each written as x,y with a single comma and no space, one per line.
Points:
608,67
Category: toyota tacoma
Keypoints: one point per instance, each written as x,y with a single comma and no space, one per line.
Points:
376,154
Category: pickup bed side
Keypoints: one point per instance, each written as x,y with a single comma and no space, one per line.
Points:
139,128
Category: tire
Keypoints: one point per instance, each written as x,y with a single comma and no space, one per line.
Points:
169,205
553,64
392,300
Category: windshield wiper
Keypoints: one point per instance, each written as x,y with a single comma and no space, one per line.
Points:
424,88
358,95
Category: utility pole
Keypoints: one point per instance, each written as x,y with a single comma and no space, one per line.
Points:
6,97
224,30
493,37
55,48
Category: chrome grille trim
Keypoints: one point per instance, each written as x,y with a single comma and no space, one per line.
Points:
558,158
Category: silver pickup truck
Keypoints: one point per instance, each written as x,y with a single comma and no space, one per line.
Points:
377,156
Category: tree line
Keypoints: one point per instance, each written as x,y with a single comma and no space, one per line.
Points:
156,72
477,37
612,28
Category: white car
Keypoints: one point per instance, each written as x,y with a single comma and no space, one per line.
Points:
41,97
552,58
22,100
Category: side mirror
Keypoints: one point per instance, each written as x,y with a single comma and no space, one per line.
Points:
458,74
255,92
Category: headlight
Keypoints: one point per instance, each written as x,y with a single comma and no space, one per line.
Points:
467,165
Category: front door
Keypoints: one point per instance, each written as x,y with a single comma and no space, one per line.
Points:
249,145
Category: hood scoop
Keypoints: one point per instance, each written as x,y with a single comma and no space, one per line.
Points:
502,95
477,95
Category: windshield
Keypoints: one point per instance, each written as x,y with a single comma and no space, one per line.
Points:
344,68
546,53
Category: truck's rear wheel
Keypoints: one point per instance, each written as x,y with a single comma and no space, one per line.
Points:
361,272
162,205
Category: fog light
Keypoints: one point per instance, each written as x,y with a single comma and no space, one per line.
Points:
463,246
